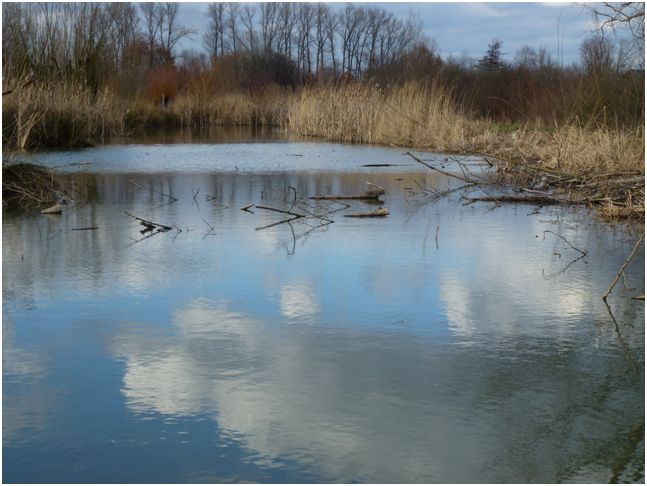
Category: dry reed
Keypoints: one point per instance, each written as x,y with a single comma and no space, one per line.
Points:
601,165
57,115
604,163
411,115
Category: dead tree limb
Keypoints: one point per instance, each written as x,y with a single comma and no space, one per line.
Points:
622,268
440,171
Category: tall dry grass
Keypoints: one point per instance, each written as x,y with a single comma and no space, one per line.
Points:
411,115
263,108
58,115
601,164
572,149
414,115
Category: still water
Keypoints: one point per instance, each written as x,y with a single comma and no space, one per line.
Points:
444,343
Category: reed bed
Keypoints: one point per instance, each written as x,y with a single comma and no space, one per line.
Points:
412,115
603,165
58,115
599,166
596,164
266,107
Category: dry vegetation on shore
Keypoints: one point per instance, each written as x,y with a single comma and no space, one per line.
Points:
603,165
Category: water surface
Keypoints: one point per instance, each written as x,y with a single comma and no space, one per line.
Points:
445,343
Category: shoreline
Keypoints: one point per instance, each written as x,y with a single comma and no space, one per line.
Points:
594,165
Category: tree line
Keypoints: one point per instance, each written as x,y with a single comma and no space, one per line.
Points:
134,49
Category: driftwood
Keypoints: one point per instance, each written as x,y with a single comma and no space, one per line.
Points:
55,209
373,192
378,213
89,228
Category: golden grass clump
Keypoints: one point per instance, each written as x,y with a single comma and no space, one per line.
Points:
573,149
410,115
57,115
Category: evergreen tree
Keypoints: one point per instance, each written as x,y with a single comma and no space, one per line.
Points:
492,59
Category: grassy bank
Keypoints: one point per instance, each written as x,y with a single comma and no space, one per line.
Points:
601,164
58,116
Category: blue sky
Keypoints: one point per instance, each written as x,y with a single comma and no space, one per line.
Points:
467,28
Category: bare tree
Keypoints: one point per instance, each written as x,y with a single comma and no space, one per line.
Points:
617,16
214,38
124,31
233,15
599,54
171,31
286,22
610,15
304,15
269,26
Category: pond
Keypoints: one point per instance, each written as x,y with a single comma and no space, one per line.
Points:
447,342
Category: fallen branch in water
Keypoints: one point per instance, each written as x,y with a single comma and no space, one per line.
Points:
463,178
150,225
523,199
387,165
378,213
282,211
622,268
89,228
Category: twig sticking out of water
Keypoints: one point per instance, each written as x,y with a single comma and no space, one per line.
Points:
211,231
294,216
584,253
622,268
150,225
